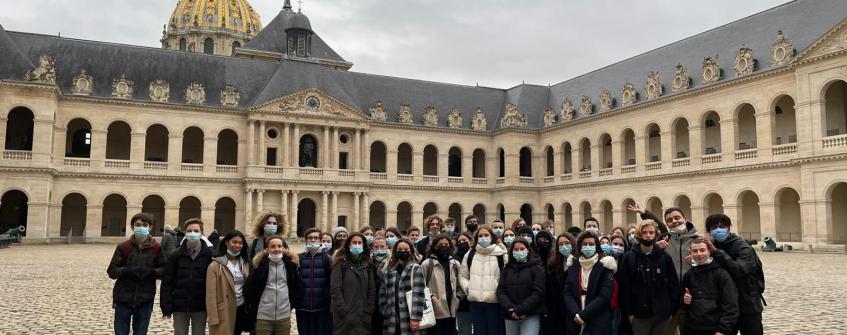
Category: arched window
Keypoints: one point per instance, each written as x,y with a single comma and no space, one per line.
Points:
835,119
227,148
192,145
746,128
680,138
209,46
606,151
118,141
628,148
711,133
183,44
225,215
78,139
454,162
479,163
654,143
784,121
404,159
378,157
156,144
235,45
430,160
525,162
19,126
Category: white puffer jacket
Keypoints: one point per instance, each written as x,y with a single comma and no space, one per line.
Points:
480,282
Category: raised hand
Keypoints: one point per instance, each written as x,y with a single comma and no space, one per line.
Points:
636,208
686,299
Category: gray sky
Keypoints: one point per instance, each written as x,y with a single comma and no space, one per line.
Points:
494,43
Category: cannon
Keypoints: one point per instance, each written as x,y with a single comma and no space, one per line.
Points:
13,235
770,245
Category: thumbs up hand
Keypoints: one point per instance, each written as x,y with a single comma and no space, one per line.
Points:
686,298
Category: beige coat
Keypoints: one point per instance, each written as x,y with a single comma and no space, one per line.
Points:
438,287
221,303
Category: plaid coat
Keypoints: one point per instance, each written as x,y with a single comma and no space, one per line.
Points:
389,296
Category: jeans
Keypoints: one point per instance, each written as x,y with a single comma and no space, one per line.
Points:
677,324
268,327
463,321
139,317
315,323
197,320
487,318
649,326
529,326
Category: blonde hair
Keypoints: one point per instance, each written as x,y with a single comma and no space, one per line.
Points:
645,223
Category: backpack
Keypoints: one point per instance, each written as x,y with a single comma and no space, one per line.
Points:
500,260
126,250
757,281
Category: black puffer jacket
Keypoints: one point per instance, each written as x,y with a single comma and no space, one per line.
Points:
184,281
522,287
714,303
136,276
740,260
315,274
648,284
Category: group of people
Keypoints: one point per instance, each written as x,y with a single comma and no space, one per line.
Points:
659,276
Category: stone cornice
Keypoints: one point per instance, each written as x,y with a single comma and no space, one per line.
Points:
139,103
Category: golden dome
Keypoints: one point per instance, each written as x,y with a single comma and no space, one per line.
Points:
231,16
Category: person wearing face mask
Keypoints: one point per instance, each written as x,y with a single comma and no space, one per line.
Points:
369,234
710,296
434,225
226,305
392,235
274,288
450,228
183,286
681,233
479,277
588,288
526,233
649,286
353,287
441,274
498,226
326,242
606,245
402,274
557,270
508,237
463,313
735,255
135,266
472,223
339,236
518,223
313,316
380,253
617,247
414,234
592,225
543,246
521,290
267,224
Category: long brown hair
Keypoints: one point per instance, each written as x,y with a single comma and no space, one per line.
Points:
392,262
343,253
261,220
557,260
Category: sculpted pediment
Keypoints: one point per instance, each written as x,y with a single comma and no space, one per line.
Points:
833,41
312,102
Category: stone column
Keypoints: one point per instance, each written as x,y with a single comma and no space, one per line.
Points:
334,154
698,218
391,160
366,211
295,147
293,222
324,209
174,151
810,123
728,146
283,209
171,216
365,150
248,207
512,165
595,159
767,219
467,168
210,153
417,220
59,145
558,164
417,163
93,221
641,158
391,217
618,159
333,211
136,148
207,215
695,142
260,201
668,151
576,161
251,138
356,223
3,122
357,153
441,162
42,130
764,134
325,148
286,147
261,147
98,146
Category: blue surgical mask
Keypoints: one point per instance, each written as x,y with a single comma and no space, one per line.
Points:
141,232
632,239
520,256
594,231
391,241
449,230
508,240
708,261
617,250
232,253
357,249
607,248
270,229
369,239
380,252
588,251
565,250
720,234
327,245
528,239
498,231
192,236
484,241
313,246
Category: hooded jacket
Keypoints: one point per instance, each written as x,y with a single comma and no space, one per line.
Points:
256,284
136,276
740,260
480,280
678,247
597,312
183,287
648,284
221,299
714,303
522,288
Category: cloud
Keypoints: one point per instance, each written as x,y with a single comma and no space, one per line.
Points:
494,43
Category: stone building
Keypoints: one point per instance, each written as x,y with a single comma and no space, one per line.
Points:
748,119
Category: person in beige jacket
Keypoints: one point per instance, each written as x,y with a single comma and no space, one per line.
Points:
441,272
225,303
479,276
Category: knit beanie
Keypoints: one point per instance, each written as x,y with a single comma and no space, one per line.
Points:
338,230
524,230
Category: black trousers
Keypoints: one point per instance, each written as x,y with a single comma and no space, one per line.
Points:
749,324
445,326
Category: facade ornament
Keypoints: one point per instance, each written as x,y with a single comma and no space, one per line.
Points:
230,96
83,84
430,116
160,91
405,114
566,113
681,81
377,112
313,103
744,62
782,50
513,117
654,86
711,70
195,94
291,104
45,73
606,101
586,107
479,122
455,119
629,95
122,88
549,117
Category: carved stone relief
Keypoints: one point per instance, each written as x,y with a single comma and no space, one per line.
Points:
566,112
45,73
230,96
479,122
606,101
160,91
654,87
122,88
782,50
405,114
513,117
377,112
549,117
629,95
586,107
744,62
83,84
681,81
454,119
195,94
430,116
711,70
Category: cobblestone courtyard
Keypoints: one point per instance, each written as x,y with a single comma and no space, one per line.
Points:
63,289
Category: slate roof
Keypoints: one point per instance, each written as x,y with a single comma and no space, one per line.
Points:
258,81
272,38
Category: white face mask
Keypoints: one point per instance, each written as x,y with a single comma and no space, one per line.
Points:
679,229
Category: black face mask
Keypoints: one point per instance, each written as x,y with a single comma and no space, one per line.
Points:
472,227
647,243
543,248
443,253
464,245
403,255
